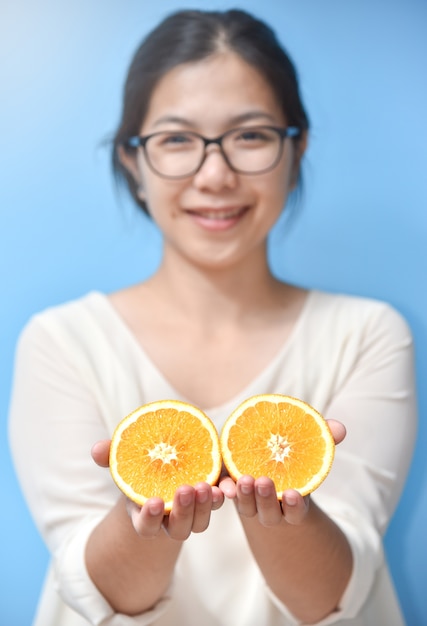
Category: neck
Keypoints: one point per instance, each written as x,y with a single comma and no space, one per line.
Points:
214,294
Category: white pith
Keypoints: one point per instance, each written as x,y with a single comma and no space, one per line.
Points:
279,446
164,452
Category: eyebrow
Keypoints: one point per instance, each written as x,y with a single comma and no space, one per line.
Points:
253,115
238,119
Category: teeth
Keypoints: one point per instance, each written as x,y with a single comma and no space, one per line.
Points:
219,215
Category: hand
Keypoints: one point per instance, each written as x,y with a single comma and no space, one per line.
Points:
258,496
191,510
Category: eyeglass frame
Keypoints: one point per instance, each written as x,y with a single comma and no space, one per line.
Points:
140,141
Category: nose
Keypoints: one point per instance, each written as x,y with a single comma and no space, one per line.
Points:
214,173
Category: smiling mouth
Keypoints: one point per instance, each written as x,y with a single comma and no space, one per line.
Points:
218,214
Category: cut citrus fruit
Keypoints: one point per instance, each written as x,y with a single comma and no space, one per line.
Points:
280,437
161,446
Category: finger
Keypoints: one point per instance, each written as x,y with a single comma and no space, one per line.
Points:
338,430
294,506
217,498
246,503
228,487
181,517
268,506
147,520
101,452
203,507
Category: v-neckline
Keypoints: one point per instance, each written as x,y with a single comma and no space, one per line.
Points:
167,385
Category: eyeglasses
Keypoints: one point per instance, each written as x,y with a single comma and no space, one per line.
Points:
246,150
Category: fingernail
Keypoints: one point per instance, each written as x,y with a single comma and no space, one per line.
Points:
155,508
203,496
185,498
290,500
263,490
246,489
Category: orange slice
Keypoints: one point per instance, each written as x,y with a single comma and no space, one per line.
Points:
279,437
161,446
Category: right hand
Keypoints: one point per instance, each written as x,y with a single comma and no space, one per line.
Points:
191,510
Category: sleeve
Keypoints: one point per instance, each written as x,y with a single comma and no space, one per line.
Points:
376,401
54,420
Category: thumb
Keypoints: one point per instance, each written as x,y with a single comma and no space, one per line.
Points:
101,452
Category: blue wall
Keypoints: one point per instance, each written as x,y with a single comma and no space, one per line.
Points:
362,226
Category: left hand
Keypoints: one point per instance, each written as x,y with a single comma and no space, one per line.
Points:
191,510
258,496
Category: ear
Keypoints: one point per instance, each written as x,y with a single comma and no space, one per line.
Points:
129,162
140,192
300,148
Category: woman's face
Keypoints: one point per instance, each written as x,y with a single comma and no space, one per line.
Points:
216,216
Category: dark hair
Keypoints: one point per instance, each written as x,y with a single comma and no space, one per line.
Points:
192,35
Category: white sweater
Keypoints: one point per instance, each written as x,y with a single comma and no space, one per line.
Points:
79,370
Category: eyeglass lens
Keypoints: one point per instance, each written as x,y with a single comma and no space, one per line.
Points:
248,150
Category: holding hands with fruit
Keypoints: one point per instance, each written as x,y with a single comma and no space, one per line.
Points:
149,456
232,370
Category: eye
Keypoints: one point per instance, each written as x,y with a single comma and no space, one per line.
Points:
175,140
254,136
250,135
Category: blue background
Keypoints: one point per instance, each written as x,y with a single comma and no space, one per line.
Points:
64,230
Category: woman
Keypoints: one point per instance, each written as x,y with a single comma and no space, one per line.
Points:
210,142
